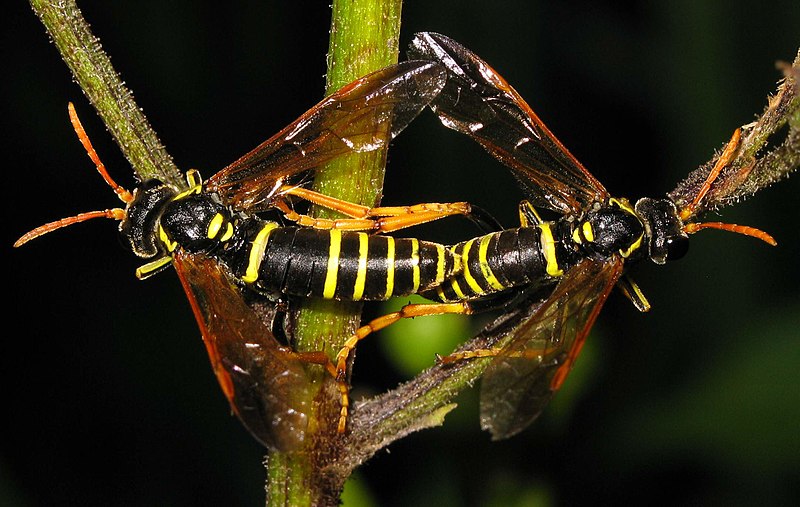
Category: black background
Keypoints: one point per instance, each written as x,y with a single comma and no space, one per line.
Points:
108,395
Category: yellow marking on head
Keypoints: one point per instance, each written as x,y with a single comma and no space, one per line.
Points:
483,259
389,266
332,274
415,265
215,225
473,284
588,232
361,275
576,236
257,252
549,249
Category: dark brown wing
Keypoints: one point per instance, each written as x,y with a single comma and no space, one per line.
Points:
478,102
362,116
542,350
265,386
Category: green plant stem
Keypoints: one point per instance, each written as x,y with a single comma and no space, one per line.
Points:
101,84
364,37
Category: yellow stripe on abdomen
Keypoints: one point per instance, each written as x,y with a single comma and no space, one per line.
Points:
471,282
440,260
331,275
549,250
483,258
361,276
414,265
389,266
257,252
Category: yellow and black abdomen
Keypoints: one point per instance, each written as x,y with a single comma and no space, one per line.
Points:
495,262
342,265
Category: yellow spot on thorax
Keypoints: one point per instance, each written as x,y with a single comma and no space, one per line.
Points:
588,232
215,225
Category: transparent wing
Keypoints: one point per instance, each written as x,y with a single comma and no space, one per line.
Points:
478,102
362,116
523,378
263,383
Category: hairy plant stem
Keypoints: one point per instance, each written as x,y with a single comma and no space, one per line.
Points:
364,37
101,84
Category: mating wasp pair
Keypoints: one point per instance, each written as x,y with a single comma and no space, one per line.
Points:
222,250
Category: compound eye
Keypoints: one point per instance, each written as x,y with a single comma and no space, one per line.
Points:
677,246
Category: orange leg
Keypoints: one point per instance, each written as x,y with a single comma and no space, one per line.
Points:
724,159
382,219
345,224
408,311
480,353
322,359
468,354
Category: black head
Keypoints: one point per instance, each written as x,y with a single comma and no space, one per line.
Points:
140,225
667,239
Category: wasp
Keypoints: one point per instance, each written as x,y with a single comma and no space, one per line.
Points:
580,256
223,250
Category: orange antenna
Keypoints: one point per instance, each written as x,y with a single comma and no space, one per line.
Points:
723,160
123,194
739,229
115,213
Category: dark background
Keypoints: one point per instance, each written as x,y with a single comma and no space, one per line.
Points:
107,392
